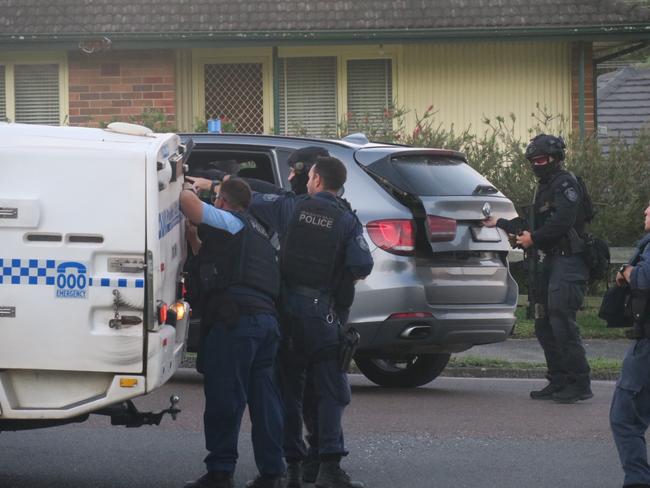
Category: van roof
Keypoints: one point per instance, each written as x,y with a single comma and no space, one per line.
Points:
12,135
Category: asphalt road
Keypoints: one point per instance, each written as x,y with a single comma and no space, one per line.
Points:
455,432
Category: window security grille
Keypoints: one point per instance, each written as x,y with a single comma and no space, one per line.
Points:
370,92
37,93
235,91
308,96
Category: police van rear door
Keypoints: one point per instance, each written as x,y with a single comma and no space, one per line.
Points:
72,228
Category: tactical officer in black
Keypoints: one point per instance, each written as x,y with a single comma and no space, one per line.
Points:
556,228
240,280
322,245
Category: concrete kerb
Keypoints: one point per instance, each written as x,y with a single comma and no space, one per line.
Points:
512,350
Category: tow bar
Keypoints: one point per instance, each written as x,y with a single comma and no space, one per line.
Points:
127,414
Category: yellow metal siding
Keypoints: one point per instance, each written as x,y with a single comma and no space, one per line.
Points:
466,82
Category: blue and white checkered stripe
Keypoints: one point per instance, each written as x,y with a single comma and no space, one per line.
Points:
117,282
27,271
43,272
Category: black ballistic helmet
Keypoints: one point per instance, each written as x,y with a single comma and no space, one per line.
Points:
301,160
546,145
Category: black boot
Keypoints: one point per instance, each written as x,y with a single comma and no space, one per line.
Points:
330,475
310,470
294,474
264,481
212,479
573,392
547,392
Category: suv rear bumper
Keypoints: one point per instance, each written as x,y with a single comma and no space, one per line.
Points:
451,329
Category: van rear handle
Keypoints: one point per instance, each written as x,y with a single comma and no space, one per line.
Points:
8,212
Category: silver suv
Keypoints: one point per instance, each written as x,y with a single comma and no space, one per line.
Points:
441,281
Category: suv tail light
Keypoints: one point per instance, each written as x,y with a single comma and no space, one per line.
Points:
441,229
410,315
396,236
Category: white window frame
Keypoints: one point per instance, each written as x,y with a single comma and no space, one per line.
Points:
10,60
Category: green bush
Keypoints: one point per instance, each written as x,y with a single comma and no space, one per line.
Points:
153,118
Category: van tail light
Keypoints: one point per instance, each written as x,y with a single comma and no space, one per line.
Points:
396,236
162,312
441,229
178,310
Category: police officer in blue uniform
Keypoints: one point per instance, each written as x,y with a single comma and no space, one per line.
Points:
558,224
240,280
322,244
629,415
300,162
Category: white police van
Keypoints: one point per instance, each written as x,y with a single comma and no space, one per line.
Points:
91,253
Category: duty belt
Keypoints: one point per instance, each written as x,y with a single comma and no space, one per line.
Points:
555,251
308,292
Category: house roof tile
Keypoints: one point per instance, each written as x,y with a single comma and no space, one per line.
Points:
65,17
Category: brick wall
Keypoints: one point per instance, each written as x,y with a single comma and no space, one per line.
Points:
589,88
118,85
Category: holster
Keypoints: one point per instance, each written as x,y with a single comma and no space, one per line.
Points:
641,323
348,343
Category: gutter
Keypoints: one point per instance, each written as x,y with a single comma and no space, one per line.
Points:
199,39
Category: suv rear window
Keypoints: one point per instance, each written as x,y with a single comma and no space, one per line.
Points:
439,176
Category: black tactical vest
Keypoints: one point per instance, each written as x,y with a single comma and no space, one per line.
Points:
243,259
312,247
545,207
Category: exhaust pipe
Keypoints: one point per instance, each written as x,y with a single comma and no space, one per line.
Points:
416,332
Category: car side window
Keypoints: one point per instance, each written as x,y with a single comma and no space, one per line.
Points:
254,163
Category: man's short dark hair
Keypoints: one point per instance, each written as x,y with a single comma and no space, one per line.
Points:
236,192
332,171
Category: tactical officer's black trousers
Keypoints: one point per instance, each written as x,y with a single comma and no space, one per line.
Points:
629,415
561,292
310,344
238,369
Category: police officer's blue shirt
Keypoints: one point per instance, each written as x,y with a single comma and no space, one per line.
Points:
220,219
276,212
640,277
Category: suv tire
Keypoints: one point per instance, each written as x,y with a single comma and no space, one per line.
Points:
409,373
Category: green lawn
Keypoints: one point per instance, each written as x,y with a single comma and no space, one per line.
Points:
599,366
591,326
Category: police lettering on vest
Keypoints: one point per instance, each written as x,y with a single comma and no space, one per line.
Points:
313,233
316,220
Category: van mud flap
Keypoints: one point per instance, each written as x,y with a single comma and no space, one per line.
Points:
127,414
